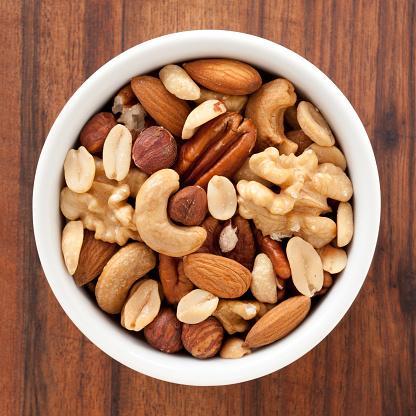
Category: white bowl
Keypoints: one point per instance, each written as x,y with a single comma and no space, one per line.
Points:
99,327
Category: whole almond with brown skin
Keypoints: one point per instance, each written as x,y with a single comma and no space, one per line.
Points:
203,340
164,332
226,76
94,133
93,257
218,275
189,206
165,108
278,322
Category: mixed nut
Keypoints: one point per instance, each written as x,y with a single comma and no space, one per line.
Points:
208,209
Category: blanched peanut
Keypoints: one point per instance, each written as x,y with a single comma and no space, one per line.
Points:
201,115
263,283
333,259
142,305
72,238
177,81
329,154
314,124
79,170
117,152
196,306
345,224
306,266
234,103
222,198
232,347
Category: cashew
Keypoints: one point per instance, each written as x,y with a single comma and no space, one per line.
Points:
266,108
152,221
201,115
129,264
291,117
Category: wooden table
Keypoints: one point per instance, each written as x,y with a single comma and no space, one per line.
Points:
366,366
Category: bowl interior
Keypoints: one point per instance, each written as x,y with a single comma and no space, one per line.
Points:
312,84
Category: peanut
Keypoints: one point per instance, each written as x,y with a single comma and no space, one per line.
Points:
117,152
196,306
79,170
222,198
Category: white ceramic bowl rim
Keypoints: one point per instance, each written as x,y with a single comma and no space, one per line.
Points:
99,89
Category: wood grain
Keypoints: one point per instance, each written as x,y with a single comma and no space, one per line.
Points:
366,365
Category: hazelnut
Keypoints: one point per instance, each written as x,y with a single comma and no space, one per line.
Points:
189,206
203,340
94,133
300,138
164,332
154,149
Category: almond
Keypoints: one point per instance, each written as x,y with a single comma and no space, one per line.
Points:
93,257
165,108
218,275
224,75
278,322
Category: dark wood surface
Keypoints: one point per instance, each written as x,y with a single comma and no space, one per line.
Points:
367,365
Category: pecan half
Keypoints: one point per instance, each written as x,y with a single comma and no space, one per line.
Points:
275,252
175,284
219,147
211,245
244,251
281,288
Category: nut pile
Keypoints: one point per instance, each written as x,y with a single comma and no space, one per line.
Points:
208,209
